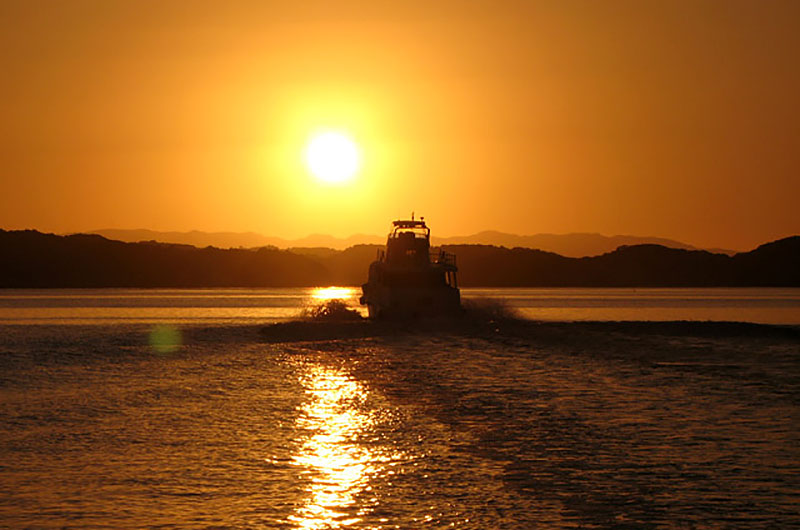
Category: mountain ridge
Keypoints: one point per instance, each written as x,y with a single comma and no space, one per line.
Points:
575,245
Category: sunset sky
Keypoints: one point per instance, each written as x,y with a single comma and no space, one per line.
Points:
677,119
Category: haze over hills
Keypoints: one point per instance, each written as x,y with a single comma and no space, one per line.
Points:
574,245
236,239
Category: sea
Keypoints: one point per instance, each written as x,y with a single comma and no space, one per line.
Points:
129,409
255,306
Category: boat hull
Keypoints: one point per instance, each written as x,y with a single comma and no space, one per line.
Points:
392,302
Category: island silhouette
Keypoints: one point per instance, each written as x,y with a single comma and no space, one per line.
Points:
31,259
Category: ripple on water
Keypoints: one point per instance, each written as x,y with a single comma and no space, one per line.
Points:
100,430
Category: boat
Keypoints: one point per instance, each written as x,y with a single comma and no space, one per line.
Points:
407,280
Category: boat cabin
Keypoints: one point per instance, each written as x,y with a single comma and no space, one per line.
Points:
408,244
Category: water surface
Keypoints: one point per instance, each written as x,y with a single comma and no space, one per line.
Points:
231,306
168,409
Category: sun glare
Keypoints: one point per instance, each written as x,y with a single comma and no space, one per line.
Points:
333,293
332,157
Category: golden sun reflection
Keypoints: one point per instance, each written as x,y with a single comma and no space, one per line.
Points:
338,466
332,293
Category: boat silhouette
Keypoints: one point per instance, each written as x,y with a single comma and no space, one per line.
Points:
407,280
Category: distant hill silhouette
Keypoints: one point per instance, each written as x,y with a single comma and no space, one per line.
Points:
570,245
238,239
32,259
772,264
576,245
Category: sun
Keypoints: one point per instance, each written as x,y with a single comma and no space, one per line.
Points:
332,157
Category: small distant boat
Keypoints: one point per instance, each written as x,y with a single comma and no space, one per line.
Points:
407,281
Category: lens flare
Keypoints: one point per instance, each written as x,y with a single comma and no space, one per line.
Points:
165,338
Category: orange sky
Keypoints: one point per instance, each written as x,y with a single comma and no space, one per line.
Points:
678,119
